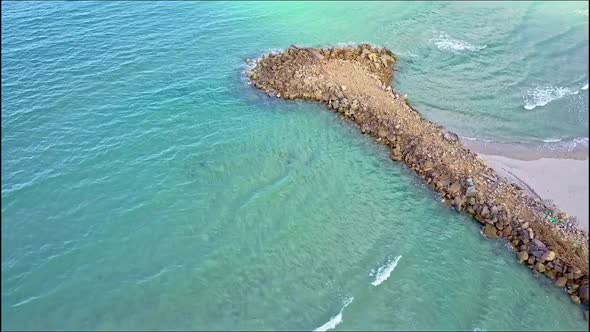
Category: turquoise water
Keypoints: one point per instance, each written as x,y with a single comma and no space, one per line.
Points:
145,185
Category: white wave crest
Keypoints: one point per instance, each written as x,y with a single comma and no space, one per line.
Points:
585,87
552,140
445,42
383,272
541,96
334,321
582,12
569,145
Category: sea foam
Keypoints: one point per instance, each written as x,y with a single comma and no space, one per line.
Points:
445,42
585,87
383,272
334,321
541,96
567,145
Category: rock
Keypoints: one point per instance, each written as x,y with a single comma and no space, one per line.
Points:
458,203
577,272
428,166
551,274
536,244
335,104
531,234
485,211
455,188
522,256
560,282
525,225
583,293
575,299
537,253
490,231
469,182
563,216
569,276
471,192
548,256
540,267
558,268
448,135
343,87
494,210
480,219
531,260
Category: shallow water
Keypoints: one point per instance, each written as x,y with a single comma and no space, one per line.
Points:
146,185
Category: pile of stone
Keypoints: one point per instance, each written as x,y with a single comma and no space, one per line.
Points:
434,153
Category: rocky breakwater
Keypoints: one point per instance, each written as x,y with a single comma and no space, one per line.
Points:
356,83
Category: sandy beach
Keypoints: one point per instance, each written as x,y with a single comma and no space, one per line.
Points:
563,181
550,174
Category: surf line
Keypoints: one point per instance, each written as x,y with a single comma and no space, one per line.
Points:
335,320
383,272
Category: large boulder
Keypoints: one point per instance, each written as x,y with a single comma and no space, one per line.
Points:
536,244
560,282
522,256
490,231
548,256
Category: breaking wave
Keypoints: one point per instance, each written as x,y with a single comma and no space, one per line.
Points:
383,272
568,145
541,96
334,321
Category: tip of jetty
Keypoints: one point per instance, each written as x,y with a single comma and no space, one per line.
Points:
356,82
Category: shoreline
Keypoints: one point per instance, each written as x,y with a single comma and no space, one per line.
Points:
556,176
355,82
561,181
527,151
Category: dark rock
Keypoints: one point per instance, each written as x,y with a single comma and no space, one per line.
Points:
450,136
536,244
583,293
